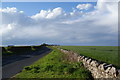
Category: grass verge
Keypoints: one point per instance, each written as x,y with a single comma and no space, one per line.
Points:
55,66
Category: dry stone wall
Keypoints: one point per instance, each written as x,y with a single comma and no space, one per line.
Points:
98,69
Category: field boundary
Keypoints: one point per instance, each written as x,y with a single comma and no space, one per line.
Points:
97,68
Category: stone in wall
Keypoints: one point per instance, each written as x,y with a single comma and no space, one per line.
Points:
113,71
89,61
102,66
98,70
94,63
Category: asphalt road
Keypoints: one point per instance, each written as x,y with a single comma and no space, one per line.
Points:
14,64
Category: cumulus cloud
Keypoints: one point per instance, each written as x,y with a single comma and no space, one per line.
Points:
97,27
10,10
49,14
84,6
7,10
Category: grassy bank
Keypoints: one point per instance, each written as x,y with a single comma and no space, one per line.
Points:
107,54
54,65
6,51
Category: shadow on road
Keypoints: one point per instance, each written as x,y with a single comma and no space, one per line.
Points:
12,65
10,59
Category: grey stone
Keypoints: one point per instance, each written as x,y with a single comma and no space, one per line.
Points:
118,71
107,70
102,66
106,66
79,58
113,71
82,57
94,63
88,61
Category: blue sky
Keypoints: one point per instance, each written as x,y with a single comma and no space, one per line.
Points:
31,8
63,23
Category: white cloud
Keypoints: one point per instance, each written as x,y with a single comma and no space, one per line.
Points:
56,12
7,10
10,10
6,28
84,6
98,27
49,14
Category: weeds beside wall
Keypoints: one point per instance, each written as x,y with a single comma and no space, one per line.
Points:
98,69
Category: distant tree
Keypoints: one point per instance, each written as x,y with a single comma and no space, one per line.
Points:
44,44
10,45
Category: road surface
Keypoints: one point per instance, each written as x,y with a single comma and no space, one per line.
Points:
14,64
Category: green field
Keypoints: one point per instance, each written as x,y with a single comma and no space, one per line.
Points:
108,54
54,65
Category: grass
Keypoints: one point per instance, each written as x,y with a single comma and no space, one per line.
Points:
11,50
108,54
55,66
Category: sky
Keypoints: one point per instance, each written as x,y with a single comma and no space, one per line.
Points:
62,23
31,8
